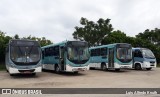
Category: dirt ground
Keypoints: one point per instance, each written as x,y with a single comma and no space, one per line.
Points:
87,79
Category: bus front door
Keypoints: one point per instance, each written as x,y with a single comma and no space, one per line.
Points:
62,59
111,58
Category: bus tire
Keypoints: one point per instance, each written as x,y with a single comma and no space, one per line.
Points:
103,66
138,67
117,69
75,72
11,74
148,68
57,69
33,74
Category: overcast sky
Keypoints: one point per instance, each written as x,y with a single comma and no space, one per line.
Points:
56,19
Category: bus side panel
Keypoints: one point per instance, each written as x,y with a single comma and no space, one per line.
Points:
49,62
95,61
138,59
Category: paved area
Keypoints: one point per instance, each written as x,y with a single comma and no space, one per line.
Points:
87,79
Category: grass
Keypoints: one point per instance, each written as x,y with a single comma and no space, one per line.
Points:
2,67
158,65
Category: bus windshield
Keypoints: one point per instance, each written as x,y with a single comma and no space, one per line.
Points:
148,53
27,54
78,54
124,54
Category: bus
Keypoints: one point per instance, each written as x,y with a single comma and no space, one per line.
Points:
67,56
112,56
143,58
23,56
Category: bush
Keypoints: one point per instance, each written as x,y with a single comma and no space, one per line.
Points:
2,67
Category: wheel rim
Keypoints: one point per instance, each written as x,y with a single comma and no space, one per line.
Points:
57,69
104,67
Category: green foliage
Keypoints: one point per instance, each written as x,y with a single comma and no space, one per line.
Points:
3,42
152,41
2,67
43,41
92,32
115,37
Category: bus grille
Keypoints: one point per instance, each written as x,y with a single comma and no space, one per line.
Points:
32,70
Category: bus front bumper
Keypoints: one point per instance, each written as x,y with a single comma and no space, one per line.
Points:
32,70
148,65
73,69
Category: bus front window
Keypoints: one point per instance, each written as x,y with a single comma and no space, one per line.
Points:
78,54
124,53
148,53
25,54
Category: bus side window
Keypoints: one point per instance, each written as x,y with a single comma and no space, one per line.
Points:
51,51
103,51
56,51
93,52
98,52
138,53
46,52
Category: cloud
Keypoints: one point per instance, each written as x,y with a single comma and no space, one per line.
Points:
56,19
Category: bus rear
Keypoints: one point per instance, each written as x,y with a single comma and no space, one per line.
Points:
23,56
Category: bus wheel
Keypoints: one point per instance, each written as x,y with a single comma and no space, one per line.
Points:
138,67
33,74
117,69
103,67
75,72
57,69
11,74
148,68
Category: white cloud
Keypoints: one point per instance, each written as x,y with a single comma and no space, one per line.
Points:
56,19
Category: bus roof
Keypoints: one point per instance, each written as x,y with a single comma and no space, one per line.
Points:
61,43
138,48
55,44
114,44
21,40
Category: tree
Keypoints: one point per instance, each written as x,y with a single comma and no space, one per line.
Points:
115,37
92,32
152,41
3,43
42,41
152,36
16,36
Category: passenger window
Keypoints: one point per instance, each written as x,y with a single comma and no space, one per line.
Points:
138,53
103,51
56,51
46,52
93,52
98,52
